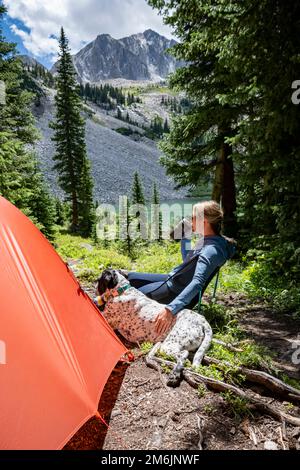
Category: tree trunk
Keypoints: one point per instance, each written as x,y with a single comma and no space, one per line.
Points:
75,221
218,181
224,185
229,194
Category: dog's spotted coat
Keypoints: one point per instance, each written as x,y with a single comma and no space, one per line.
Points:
133,315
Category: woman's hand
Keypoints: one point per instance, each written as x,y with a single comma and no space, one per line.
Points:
164,321
183,229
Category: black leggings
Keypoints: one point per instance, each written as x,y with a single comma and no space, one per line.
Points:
155,287
152,285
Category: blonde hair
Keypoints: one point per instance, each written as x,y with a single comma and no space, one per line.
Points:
212,212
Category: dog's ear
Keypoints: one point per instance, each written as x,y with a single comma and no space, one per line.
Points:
107,280
113,279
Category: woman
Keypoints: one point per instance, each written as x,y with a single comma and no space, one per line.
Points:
181,287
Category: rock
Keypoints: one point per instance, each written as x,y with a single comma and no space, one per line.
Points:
115,413
108,160
270,445
175,417
87,246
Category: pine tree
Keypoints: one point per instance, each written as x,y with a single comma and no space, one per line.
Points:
137,190
60,213
138,198
119,114
71,158
86,208
20,179
166,126
42,204
156,223
124,221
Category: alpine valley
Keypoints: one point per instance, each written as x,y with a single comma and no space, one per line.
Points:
127,106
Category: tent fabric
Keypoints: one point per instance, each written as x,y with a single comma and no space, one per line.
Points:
59,350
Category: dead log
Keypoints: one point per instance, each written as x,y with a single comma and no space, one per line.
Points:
271,383
194,379
228,346
257,403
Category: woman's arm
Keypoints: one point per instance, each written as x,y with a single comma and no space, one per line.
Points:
209,259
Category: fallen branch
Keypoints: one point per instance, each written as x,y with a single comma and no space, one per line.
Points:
252,436
259,404
228,346
200,422
262,378
271,383
219,386
281,439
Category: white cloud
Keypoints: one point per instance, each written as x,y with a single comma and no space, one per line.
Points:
38,46
82,20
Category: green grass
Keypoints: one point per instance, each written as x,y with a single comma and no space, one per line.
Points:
256,280
211,371
234,277
155,257
201,390
157,89
166,369
158,258
219,317
92,262
146,347
289,381
252,355
141,90
238,406
165,356
289,406
209,409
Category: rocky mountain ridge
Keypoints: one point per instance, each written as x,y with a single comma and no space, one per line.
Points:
142,56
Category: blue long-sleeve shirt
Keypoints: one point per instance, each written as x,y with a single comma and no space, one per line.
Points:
216,250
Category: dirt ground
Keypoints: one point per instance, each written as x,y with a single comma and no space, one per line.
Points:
143,413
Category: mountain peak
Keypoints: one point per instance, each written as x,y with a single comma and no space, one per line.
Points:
29,61
103,36
151,31
141,56
151,34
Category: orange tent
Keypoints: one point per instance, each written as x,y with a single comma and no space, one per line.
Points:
57,351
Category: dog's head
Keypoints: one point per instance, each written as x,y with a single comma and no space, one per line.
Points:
108,280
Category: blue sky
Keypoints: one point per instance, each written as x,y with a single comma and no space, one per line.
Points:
10,36
34,25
